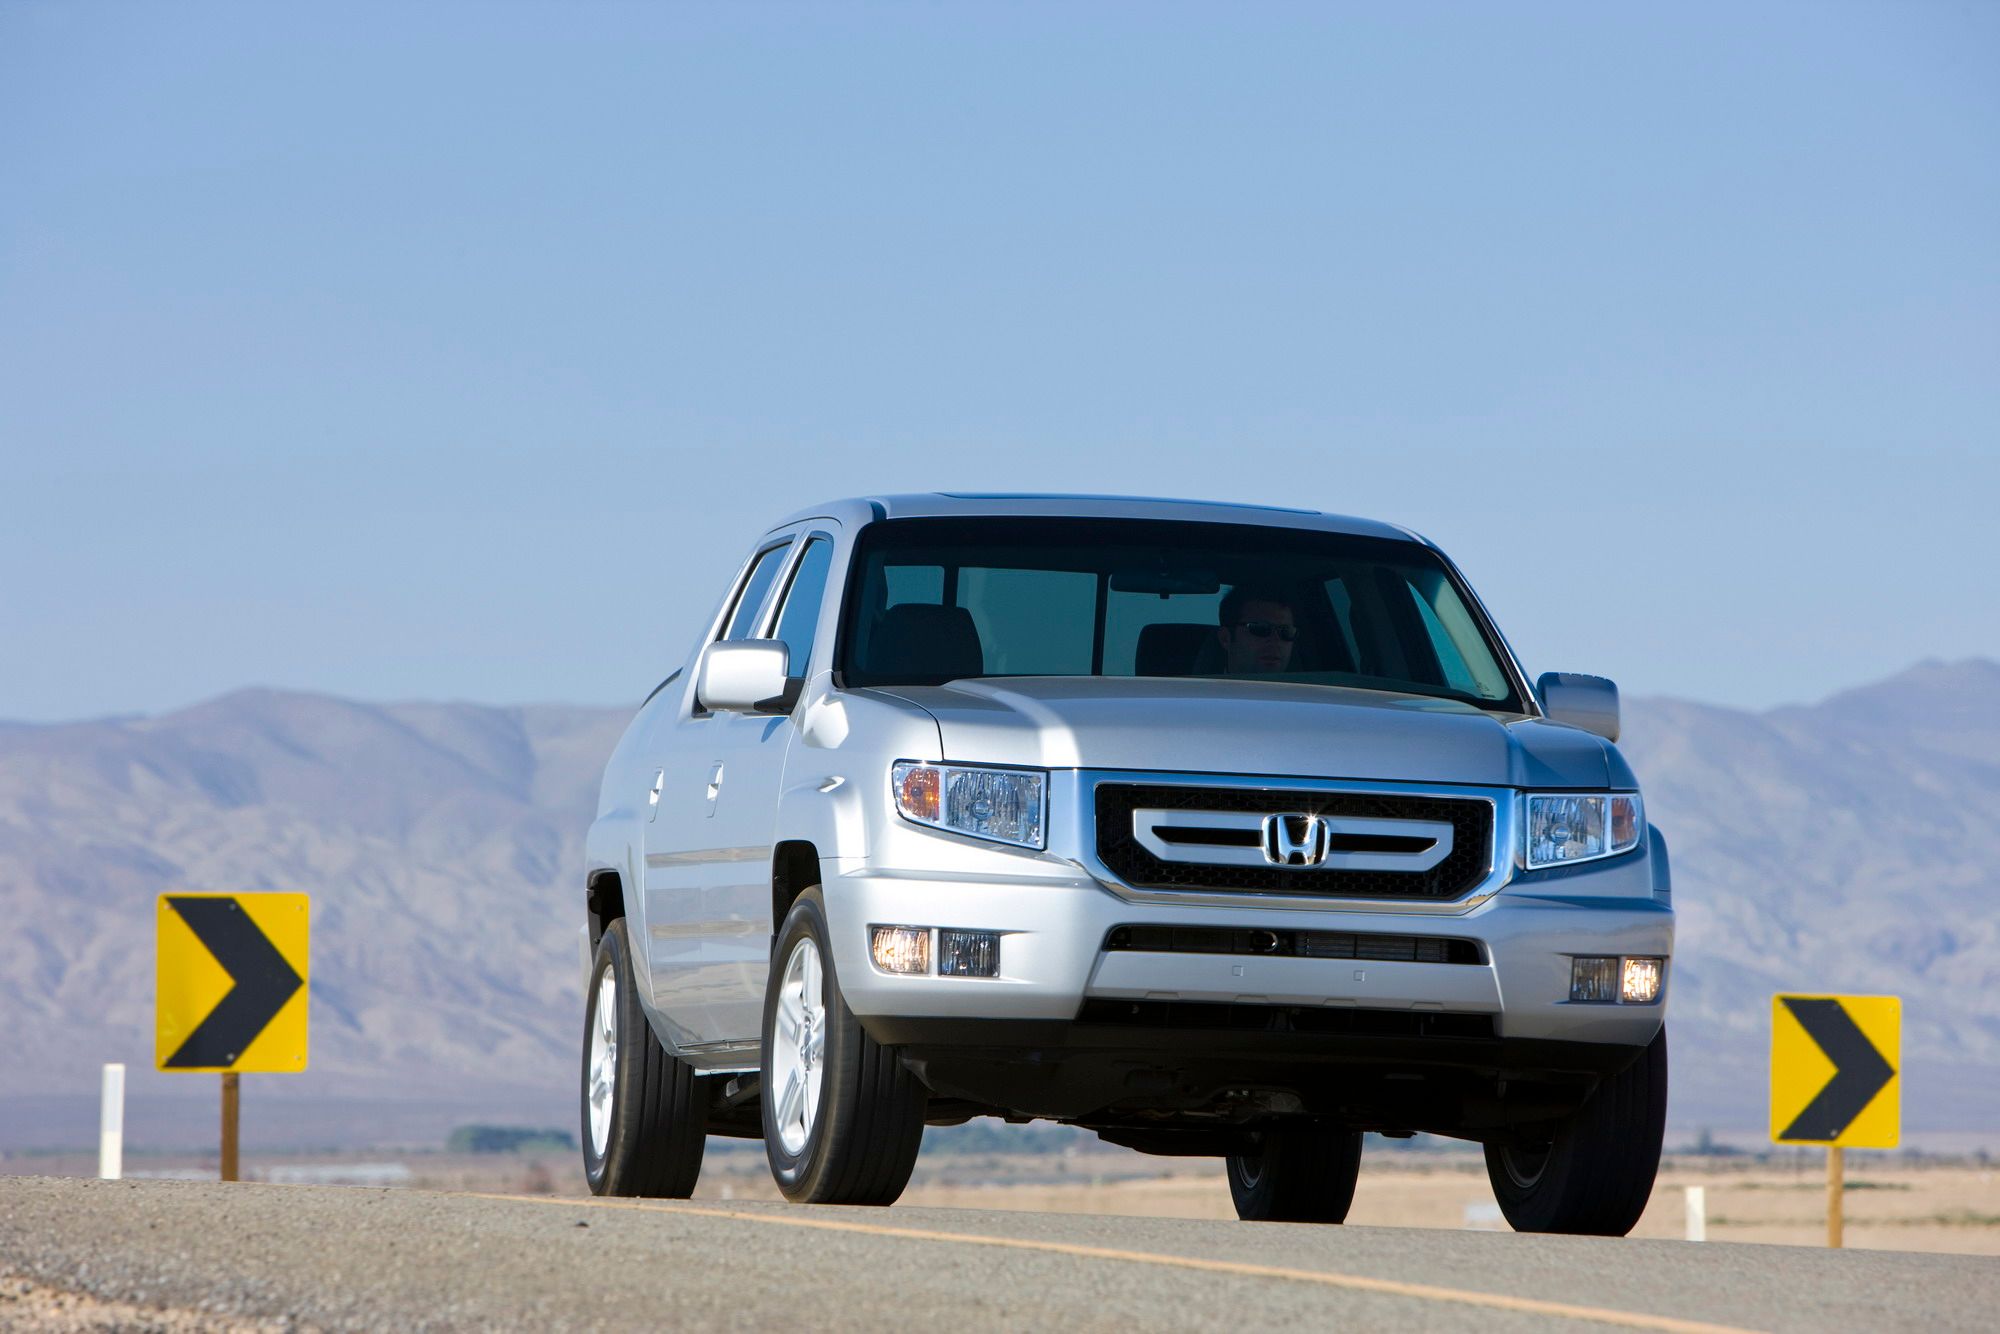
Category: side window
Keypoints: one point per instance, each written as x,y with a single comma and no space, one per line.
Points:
1158,634
1450,661
1032,622
762,574
889,586
914,583
1342,602
1454,637
800,617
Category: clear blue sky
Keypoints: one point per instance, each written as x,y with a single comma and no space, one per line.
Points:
457,351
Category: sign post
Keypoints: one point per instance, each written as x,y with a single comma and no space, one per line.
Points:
230,992
230,1109
1834,1064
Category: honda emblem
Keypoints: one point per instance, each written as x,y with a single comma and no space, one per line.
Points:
1295,840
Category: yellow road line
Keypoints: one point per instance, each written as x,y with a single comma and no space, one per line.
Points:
1241,1269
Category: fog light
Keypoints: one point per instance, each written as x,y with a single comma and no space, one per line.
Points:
901,949
968,954
1593,978
1642,981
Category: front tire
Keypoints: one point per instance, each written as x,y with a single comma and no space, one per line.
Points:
843,1119
644,1125
1296,1174
1594,1174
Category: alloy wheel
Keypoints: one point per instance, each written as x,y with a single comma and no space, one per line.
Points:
603,1061
798,1055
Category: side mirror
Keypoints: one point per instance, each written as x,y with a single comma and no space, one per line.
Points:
1589,702
743,676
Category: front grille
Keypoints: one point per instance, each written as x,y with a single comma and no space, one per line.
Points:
1118,846
1330,1021
1200,836
1371,947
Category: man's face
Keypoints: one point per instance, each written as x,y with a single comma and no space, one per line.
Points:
1261,639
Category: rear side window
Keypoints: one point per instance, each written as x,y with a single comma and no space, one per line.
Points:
762,574
913,583
1157,634
1348,650
1032,622
800,617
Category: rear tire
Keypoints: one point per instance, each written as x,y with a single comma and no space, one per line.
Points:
843,1119
644,1121
1595,1174
1297,1174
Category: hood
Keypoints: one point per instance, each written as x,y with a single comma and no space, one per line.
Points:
1257,727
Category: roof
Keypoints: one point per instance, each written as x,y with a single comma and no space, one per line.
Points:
951,504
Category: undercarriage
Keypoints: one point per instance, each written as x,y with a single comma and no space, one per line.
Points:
1189,1079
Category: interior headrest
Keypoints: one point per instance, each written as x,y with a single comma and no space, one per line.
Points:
921,639
1168,649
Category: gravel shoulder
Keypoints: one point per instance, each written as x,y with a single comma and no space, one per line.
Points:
27,1305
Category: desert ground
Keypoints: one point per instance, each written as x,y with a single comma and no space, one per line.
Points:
1955,1209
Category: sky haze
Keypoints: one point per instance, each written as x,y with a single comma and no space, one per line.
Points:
459,351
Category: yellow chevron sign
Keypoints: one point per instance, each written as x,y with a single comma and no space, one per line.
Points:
230,983
1835,1063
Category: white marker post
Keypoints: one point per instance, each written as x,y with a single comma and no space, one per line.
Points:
1697,1213
111,1125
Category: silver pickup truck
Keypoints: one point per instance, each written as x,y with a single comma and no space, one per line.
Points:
1216,829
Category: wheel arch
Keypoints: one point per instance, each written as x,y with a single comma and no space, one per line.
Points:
604,902
795,868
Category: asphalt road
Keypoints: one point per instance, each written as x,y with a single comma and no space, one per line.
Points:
342,1258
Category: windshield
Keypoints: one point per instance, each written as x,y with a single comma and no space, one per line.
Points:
936,600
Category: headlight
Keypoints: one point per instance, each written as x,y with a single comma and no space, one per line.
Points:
1005,805
1565,827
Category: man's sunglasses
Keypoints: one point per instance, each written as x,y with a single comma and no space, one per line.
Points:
1265,629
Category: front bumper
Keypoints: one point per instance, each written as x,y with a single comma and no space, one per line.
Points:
1053,962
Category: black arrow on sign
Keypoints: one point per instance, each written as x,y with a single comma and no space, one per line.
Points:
264,982
1859,1070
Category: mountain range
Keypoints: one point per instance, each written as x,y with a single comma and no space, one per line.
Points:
1847,846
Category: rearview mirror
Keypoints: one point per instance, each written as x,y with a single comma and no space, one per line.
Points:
744,676
1589,702
1165,582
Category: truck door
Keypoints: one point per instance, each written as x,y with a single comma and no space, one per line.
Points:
682,839
750,758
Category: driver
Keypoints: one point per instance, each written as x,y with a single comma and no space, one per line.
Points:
1256,632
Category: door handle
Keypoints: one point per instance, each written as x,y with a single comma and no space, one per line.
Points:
653,797
714,786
